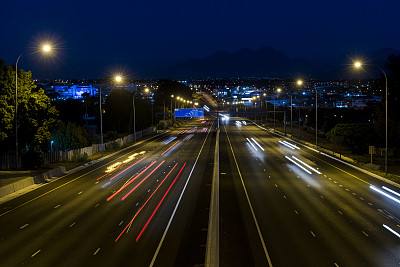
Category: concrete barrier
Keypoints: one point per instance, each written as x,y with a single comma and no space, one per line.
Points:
38,179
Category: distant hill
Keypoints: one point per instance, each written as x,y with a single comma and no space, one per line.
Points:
263,62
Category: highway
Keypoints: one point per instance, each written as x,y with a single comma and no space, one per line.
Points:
281,204
146,205
299,207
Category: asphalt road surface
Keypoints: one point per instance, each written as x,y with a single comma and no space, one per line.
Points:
299,207
147,205
281,204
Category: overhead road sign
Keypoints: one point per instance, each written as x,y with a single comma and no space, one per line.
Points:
189,112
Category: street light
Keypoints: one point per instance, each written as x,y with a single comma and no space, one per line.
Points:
46,48
316,116
117,79
278,91
358,65
147,90
299,83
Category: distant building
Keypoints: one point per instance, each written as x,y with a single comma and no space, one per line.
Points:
74,91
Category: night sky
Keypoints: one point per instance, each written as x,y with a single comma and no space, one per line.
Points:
130,34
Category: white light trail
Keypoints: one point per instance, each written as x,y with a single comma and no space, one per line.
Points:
391,230
304,169
286,145
385,194
257,144
290,144
251,144
305,164
169,140
391,191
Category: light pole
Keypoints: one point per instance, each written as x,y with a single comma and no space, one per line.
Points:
147,90
278,90
117,79
316,116
299,83
172,97
45,48
101,122
358,65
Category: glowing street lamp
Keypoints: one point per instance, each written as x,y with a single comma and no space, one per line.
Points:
45,49
358,65
299,83
117,79
278,91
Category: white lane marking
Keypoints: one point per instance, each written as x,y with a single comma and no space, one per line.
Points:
225,172
325,176
296,212
322,197
97,205
137,203
80,192
340,212
354,194
341,185
284,196
121,223
72,224
330,178
312,233
336,264
391,230
148,190
96,182
96,251
276,185
335,182
57,206
23,226
365,234
308,185
34,254
369,203
361,198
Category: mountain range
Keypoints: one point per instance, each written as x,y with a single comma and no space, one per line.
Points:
267,62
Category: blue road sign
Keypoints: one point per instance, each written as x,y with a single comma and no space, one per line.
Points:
189,112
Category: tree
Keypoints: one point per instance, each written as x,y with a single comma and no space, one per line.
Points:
36,116
69,136
357,136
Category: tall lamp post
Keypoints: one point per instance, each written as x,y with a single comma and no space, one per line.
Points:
299,83
46,49
172,97
278,91
117,79
358,65
316,116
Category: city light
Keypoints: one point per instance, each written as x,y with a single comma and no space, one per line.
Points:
46,48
